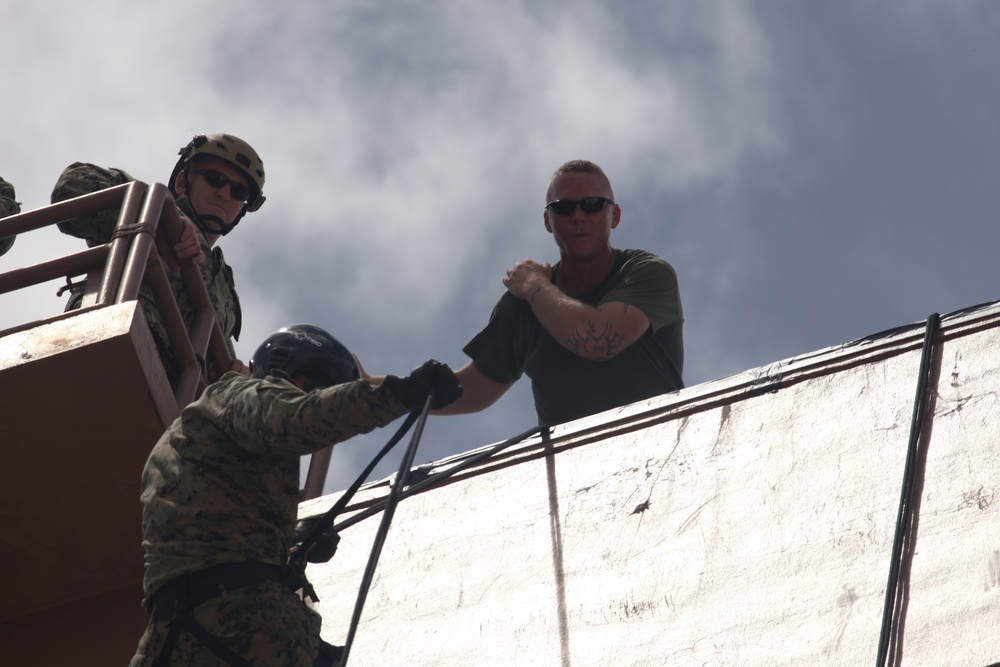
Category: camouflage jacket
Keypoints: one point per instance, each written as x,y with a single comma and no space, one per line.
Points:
79,179
221,485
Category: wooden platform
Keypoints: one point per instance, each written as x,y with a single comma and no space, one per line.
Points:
79,417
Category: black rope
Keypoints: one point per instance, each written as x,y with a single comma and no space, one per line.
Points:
326,520
905,516
437,478
398,492
383,530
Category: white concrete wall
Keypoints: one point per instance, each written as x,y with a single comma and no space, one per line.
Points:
730,529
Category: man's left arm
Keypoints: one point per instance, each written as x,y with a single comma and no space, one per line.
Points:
597,333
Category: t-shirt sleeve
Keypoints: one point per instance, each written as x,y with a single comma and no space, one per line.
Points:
649,283
499,350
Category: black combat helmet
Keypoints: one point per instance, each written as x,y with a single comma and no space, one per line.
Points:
304,349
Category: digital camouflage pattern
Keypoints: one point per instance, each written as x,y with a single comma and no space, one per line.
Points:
8,206
221,486
80,179
267,624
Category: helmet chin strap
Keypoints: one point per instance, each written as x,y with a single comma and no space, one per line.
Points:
200,220
221,227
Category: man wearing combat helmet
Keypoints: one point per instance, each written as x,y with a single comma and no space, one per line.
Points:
220,501
215,182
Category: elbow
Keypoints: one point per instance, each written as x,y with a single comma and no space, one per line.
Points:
598,355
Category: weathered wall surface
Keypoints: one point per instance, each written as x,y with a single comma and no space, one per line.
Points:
736,527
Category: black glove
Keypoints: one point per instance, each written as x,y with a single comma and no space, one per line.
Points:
412,391
323,548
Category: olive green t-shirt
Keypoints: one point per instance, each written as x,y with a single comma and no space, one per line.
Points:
565,385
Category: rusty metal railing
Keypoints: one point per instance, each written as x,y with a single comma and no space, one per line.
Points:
115,271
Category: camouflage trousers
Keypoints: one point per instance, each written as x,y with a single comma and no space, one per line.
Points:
266,624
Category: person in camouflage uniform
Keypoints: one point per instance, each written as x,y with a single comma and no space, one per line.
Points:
7,207
220,499
216,181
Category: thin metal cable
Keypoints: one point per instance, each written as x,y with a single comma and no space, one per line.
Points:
905,514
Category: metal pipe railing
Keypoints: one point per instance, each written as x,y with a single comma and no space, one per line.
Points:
66,210
69,265
121,243
148,219
205,337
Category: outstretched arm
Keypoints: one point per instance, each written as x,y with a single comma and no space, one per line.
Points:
479,392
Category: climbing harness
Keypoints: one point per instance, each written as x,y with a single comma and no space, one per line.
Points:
178,598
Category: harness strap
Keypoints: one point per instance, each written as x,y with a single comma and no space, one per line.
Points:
214,644
176,600
167,650
196,588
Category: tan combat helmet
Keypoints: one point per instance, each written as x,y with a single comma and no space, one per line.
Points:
236,152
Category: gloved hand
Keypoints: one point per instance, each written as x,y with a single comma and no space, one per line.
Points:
323,548
412,391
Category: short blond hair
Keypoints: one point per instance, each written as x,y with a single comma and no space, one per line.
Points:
580,167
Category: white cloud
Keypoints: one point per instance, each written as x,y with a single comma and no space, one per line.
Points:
407,150
425,133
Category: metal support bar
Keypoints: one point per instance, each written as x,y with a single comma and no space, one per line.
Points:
319,466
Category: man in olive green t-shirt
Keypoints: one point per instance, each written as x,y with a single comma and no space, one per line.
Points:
600,329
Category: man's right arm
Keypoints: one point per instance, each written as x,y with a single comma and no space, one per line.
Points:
479,392
79,179
596,333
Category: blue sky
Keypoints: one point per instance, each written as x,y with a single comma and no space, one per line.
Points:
816,172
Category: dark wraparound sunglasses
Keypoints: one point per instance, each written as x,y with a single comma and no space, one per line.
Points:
588,205
217,179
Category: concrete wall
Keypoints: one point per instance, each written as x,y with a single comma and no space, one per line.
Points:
748,521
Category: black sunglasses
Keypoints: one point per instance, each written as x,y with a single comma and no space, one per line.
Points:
588,205
217,179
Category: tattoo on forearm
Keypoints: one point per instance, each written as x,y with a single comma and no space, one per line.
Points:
594,344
